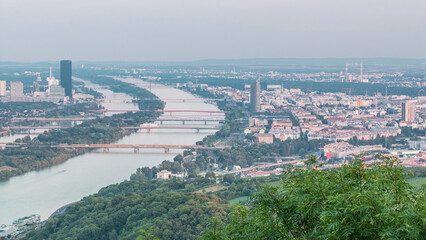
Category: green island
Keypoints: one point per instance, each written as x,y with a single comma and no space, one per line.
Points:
380,200
36,154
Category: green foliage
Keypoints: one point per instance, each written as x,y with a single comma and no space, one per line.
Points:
238,200
242,187
417,171
82,89
417,182
229,178
25,106
356,201
412,132
38,154
147,235
378,140
136,210
71,110
210,175
245,155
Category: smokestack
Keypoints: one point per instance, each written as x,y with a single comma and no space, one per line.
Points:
51,72
361,74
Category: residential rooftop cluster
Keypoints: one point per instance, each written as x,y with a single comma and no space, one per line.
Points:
375,121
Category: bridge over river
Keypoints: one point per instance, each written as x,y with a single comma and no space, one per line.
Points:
46,190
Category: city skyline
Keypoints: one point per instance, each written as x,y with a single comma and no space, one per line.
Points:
192,119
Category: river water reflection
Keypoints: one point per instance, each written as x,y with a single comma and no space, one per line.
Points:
44,191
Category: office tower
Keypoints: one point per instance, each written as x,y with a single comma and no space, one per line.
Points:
2,88
408,110
255,96
66,77
346,75
16,89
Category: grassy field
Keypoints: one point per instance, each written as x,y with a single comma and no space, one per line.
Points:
417,181
214,188
238,200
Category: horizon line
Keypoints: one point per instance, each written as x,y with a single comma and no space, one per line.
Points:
220,59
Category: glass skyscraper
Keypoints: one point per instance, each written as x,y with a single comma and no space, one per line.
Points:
66,77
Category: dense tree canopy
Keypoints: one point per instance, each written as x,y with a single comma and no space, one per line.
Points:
356,201
121,211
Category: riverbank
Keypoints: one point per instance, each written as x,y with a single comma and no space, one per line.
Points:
35,155
46,190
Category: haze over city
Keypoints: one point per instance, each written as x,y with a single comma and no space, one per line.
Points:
214,119
169,30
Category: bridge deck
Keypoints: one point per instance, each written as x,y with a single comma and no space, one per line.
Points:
170,146
173,127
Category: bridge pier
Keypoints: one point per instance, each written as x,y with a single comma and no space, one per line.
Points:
205,122
198,130
106,149
136,150
166,150
183,122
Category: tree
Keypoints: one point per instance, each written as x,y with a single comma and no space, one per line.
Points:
147,235
356,201
210,175
178,159
229,178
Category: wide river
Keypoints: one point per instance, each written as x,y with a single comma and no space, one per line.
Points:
42,192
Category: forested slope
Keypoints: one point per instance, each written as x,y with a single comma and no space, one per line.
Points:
121,211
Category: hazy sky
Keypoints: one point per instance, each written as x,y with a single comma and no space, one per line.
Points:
174,30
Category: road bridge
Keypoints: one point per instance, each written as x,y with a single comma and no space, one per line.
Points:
107,147
164,99
149,128
162,120
136,147
211,113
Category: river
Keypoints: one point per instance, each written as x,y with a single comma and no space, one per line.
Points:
42,192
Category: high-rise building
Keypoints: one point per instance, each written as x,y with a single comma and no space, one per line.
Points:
66,77
16,89
2,88
408,111
255,96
